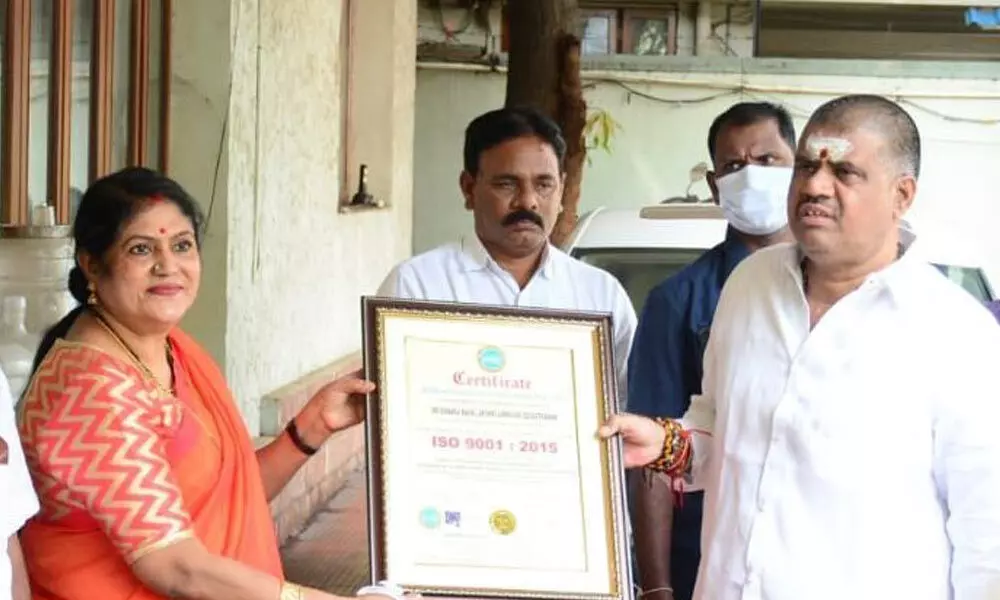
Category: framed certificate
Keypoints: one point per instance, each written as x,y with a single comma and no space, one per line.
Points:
486,478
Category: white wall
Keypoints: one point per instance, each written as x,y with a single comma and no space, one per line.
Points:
661,140
284,268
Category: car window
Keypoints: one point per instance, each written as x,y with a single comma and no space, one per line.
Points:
639,270
972,280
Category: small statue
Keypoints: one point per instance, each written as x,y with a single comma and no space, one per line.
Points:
362,197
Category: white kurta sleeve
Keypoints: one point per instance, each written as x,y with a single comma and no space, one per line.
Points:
967,465
19,500
700,421
624,322
701,414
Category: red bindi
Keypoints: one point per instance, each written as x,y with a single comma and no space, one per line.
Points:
824,153
162,231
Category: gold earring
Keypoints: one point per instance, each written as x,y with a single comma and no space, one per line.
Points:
92,299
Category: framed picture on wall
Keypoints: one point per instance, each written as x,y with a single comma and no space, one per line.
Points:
604,30
649,32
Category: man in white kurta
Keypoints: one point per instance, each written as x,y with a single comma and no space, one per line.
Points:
512,183
18,503
858,460
846,436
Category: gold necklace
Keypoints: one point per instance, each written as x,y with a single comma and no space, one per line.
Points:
168,413
164,391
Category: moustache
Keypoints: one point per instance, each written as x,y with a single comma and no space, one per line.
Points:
823,201
522,215
823,204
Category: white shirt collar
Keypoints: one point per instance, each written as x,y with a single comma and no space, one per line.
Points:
475,257
886,276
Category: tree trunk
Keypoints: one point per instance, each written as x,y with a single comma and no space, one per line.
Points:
544,72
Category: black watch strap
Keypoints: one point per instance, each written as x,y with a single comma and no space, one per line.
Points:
293,434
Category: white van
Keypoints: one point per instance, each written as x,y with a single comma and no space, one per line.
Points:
643,246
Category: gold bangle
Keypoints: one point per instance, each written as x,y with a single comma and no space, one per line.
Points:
290,591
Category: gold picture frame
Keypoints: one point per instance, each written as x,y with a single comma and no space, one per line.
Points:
485,475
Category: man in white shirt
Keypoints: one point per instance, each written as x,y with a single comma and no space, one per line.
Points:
513,183
846,433
19,501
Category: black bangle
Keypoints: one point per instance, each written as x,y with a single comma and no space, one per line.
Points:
293,434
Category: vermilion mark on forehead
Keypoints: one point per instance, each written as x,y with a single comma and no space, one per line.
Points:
824,153
154,200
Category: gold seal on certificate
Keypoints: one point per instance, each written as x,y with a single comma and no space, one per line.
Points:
503,522
486,478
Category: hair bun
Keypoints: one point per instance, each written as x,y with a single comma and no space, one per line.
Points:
79,287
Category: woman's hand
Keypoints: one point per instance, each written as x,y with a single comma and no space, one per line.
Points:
342,401
336,406
642,438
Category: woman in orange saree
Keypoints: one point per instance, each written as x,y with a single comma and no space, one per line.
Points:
122,471
148,482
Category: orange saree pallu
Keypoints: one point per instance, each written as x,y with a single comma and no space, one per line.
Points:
122,471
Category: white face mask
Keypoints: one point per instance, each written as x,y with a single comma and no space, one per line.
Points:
755,199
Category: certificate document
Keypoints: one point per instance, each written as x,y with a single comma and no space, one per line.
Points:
486,476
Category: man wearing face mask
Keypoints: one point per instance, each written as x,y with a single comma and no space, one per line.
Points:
752,149
512,182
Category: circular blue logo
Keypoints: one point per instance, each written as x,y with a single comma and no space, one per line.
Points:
491,359
430,518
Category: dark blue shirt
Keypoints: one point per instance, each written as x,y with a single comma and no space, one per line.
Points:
665,365
665,370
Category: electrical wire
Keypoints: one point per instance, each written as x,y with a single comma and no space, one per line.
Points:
944,116
631,91
627,81
749,91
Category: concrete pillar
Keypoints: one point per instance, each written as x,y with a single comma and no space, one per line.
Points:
703,29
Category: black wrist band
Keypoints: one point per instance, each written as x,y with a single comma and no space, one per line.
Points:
293,434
